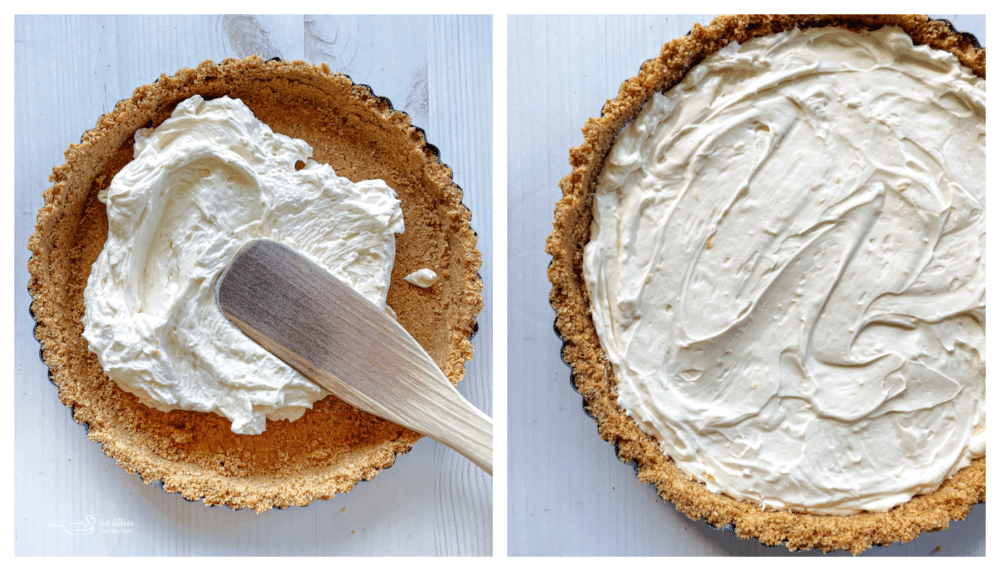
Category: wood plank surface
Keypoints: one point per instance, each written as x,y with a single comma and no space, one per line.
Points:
567,492
71,69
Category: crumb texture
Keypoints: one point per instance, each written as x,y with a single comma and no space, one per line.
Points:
333,446
593,375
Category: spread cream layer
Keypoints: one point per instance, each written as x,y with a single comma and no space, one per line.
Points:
209,179
787,270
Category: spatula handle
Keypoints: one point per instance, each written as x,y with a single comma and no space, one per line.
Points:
466,429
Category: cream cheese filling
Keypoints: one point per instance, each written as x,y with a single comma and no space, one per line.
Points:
209,179
424,277
787,270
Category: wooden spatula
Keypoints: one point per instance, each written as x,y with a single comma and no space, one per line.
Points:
338,339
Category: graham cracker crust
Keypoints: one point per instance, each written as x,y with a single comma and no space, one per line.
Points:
333,446
593,374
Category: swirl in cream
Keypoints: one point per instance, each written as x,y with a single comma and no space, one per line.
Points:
209,179
787,270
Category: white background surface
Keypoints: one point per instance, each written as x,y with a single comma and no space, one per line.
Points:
567,493
70,70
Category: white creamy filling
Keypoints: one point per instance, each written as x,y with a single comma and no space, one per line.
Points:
787,270
202,184
424,277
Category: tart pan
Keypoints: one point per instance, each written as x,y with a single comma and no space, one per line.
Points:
333,446
592,373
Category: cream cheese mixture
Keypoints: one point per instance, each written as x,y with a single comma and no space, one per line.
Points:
424,277
787,270
202,184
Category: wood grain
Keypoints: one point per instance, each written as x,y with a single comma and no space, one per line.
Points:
70,69
338,339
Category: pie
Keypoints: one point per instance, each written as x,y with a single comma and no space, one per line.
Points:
606,290
333,446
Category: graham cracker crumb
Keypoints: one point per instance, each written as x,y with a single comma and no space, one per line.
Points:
333,446
593,375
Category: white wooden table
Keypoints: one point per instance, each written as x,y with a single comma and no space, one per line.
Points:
567,492
71,69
